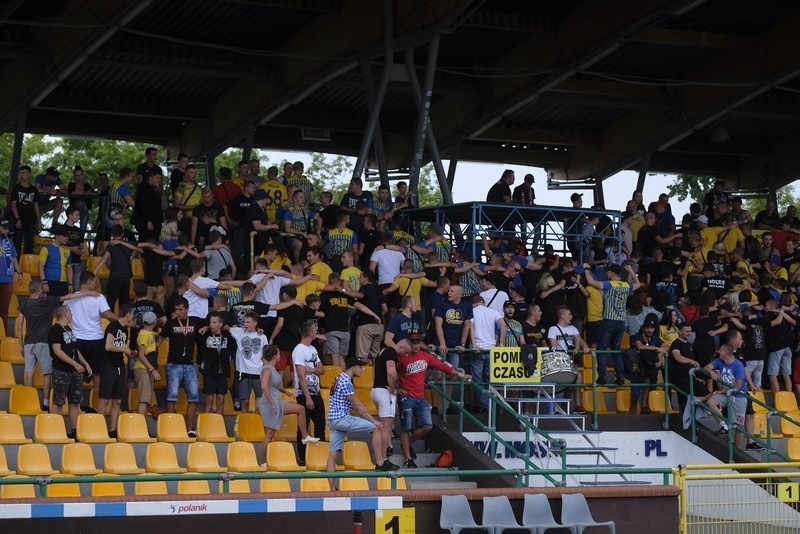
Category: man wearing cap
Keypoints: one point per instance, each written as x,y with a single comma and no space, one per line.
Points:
10,272
652,352
54,269
49,188
415,412
145,367
615,314
708,234
342,424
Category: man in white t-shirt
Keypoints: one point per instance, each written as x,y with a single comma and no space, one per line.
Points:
87,313
493,297
202,288
565,337
307,370
249,345
387,261
488,328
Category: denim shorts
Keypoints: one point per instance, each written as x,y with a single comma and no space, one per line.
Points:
414,410
780,362
349,425
183,376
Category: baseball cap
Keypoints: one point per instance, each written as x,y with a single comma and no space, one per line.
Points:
616,269
650,322
5,223
352,361
702,219
260,194
52,171
149,318
575,196
415,337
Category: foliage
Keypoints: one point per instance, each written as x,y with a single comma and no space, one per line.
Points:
691,186
785,195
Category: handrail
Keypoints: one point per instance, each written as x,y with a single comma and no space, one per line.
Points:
495,437
43,481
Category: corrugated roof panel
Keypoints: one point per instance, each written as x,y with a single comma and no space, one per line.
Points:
733,17
655,60
567,117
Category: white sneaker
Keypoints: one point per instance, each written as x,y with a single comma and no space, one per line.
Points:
309,439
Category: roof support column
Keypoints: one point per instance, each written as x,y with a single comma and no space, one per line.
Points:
16,152
599,197
424,114
430,139
377,104
377,138
644,165
247,149
455,154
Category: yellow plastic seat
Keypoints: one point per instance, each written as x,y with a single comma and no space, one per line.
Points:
78,459
281,457
11,430
150,487
202,458
211,428
64,408
331,372
133,400
658,403
11,351
385,483
789,428
757,408
364,395
7,379
161,458
227,406
356,456
92,429
21,285
38,377
91,264
13,309
241,458
64,489
366,380
20,327
622,404
120,459
785,401
108,489
137,268
249,427
163,352
235,486
288,429
317,456
132,428
274,485
34,459
171,428
29,263
588,402
314,484
3,334
94,401
50,428
760,427
353,484
793,449
17,491
193,487
4,470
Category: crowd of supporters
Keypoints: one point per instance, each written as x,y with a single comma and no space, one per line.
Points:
264,278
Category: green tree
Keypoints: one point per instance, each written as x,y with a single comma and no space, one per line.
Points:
330,173
785,196
691,186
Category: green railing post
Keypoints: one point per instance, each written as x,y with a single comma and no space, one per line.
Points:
731,429
690,401
666,393
595,424
461,412
42,486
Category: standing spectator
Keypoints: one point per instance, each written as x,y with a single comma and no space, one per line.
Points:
717,195
187,196
9,267
80,195
181,332
54,268
215,349
355,192
524,193
307,370
69,367
224,192
113,376
302,182
729,373
143,305
120,198
154,256
295,219
780,338
453,320
48,187
768,218
286,334
149,166
340,240
488,330
384,395
403,323
118,287
255,220
288,171
249,344
276,194
147,207
88,308
683,361
243,174
178,173
145,367
25,209
328,213
343,400
335,306
493,297
513,330
76,244
565,337
218,256
254,170
369,327
383,207
739,214
415,412
615,313
500,192
206,216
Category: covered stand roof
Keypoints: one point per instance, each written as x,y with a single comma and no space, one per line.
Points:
584,88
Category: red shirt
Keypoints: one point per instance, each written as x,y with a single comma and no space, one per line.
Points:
225,192
412,368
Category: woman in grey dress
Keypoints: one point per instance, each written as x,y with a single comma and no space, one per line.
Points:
270,405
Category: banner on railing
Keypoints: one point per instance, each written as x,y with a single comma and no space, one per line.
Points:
507,367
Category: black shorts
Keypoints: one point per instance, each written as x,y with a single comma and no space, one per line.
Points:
112,382
67,387
215,385
93,352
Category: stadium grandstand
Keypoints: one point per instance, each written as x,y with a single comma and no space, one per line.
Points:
187,345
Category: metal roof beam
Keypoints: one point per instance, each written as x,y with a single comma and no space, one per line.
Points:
771,63
728,148
304,5
190,68
536,136
603,103
667,36
490,20
609,88
138,129
122,107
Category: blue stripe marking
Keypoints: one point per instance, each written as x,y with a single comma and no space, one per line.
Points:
255,506
39,511
110,509
363,503
309,505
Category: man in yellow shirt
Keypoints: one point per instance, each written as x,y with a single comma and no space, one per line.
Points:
351,275
145,368
276,194
188,194
408,283
318,269
708,234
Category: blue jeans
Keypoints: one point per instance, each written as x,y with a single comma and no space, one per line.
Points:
414,410
182,376
610,338
479,363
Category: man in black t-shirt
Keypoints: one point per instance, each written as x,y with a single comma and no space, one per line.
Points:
144,305
112,372
215,349
533,331
336,307
384,395
206,208
683,360
119,251
68,367
500,192
369,331
25,210
154,256
249,304
75,242
181,332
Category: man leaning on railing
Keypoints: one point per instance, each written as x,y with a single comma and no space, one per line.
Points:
728,373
